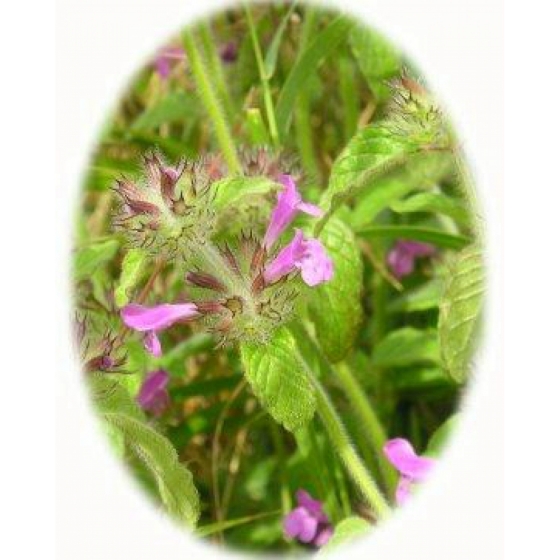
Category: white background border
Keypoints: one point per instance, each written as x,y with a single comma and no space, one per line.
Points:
458,45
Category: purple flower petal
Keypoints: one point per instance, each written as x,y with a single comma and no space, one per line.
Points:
402,456
143,318
300,525
152,343
418,249
315,265
289,202
307,255
401,258
403,491
314,507
165,56
400,262
323,536
153,395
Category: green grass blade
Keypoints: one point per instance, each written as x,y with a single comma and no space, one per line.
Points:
323,44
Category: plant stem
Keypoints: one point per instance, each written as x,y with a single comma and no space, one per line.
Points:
341,444
268,104
369,423
215,68
280,449
211,102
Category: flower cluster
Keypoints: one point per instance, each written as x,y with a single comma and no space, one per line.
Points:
172,211
243,290
308,522
412,467
402,257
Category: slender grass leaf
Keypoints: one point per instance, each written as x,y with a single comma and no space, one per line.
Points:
279,381
177,106
88,259
271,56
460,311
406,346
417,233
422,171
131,272
326,42
347,530
335,306
433,202
420,379
424,297
213,528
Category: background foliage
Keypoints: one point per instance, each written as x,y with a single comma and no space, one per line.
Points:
217,460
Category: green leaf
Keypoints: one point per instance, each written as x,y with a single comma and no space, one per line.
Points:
326,42
279,380
377,58
424,379
123,417
460,311
258,132
372,153
109,395
441,436
175,107
433,202
271,57
335,306
424,297
88,259
131,272
174,481
417,233
413,126
406,346
346,530
231,190
422,171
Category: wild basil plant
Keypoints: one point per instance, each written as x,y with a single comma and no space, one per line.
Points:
279,278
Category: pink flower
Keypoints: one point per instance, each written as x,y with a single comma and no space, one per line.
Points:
307,255
151,320
402,257
289,203
308,522
165,57
153,396
411,466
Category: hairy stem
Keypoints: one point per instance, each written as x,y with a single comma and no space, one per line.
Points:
211,103
215,68
368,422
341,444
